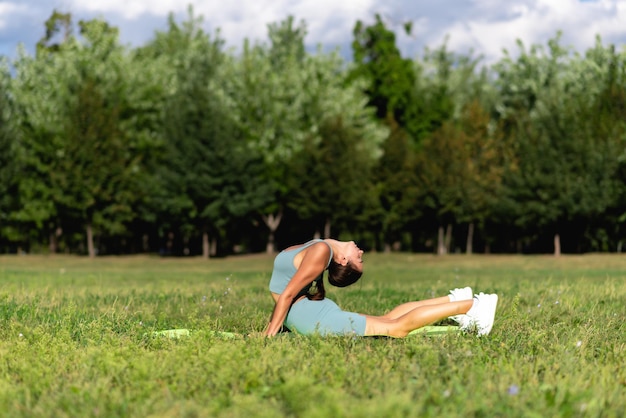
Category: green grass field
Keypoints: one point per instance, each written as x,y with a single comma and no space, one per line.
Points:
76,339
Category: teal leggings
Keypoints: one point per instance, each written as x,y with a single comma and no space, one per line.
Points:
323,317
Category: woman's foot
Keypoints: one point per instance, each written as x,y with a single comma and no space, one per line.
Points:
458,294
482,314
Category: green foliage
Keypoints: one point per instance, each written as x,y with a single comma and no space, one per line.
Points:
446,83
206,177
180,138
193,125
78,338
8,151
286,42
391,78
56,22
566,169
396,190
327,178
461,167
96,171
284,100
79,168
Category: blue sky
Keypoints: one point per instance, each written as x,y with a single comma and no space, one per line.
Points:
482,26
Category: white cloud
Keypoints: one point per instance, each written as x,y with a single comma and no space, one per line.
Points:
7,10
326,18
129,9
486,26
328,21
497,25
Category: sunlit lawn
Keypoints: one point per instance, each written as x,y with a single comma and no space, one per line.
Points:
77,340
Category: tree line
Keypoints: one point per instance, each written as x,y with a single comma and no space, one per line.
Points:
184,147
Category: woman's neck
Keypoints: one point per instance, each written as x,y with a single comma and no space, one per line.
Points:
338,249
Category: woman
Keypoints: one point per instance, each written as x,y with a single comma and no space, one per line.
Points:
298,291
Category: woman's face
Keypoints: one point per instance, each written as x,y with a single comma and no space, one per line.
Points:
354,255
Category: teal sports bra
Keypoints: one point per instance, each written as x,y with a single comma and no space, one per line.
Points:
284,269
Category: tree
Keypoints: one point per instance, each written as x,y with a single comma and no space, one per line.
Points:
79,167
460,169
267,87
609,123
328,177
396,189
56,23
566,166
391,79
188,125
210,172
448,124
283,99
8,157
207,178
40,100
96,170
446,83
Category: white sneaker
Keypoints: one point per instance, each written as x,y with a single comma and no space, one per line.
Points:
483,313
458,294
455,295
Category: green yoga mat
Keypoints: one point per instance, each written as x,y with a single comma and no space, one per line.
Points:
436,330
431,330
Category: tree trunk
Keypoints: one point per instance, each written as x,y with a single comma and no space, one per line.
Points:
213,249
169,243
90,247
53,245
557,245
470,239
327,228
448,238
441,247
145,243
205,244
186,245
272,221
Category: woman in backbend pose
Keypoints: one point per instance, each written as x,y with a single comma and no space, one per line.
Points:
298,291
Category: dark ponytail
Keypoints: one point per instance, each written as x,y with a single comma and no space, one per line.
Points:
314,290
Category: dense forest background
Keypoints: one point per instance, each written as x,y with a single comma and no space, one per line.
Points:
182,147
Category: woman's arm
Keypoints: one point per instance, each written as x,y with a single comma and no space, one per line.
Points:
314,261
278,315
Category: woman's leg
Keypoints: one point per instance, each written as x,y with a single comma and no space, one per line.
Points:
454,296
400,310
418,317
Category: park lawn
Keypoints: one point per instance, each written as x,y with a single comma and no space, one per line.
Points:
77,339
